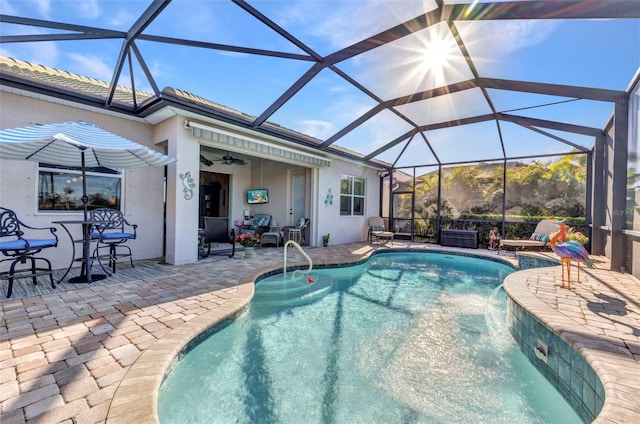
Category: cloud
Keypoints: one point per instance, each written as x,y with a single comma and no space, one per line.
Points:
91,66
42,52
45,53
234,54
338,89
88,9
316,128
122,18
155,70
196,19
374,133
326,20
43,7
347,108
7,8
489,40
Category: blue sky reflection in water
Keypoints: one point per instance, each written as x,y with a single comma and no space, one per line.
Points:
402,338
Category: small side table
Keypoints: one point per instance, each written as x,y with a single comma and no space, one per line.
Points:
294,234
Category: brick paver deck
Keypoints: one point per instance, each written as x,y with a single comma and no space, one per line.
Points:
600,318
98,354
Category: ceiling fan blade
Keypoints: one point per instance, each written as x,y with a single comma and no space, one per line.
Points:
230,160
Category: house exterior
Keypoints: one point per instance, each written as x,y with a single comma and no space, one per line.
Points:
167,203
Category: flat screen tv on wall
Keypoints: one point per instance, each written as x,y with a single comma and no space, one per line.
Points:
258,196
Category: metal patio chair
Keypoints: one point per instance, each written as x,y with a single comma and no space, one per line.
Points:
377,231
216,231
296,232
259,224
538,240
20,248
111,230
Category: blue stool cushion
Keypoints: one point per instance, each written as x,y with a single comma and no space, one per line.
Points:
111,236
20,244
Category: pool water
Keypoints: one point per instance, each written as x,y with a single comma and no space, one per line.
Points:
402,338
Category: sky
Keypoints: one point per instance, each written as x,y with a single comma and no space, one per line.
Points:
588,53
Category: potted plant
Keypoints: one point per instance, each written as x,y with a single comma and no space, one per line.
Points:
248,241
573,235
577,236
325,240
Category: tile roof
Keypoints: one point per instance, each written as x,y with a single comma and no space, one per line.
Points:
55,79
70,81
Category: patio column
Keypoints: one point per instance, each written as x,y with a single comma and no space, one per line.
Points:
618,185
598,183
182,204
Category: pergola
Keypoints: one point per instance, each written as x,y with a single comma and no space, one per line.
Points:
399,119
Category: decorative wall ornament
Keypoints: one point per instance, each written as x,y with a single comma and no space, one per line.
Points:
328,201
188,184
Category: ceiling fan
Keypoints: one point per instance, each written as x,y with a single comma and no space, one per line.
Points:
227,159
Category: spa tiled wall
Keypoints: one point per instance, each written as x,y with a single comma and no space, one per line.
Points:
527,261
564,368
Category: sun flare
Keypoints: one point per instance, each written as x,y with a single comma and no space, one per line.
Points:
434,58
436,55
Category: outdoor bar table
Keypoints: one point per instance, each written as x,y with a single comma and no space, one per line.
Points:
86,258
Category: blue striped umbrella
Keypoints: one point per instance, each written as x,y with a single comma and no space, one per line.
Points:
77,144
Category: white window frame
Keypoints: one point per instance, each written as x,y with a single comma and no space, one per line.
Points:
351,195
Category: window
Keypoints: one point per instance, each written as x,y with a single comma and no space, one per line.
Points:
351,196
60,188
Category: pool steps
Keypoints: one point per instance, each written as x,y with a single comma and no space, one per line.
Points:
296,291
297,246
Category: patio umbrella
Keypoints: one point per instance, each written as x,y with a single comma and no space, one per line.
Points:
77,144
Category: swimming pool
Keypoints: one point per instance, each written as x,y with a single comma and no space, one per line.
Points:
403,337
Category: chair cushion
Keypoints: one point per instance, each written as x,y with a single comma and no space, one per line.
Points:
539,237
383,234
262,221
20,244
377,228
111,236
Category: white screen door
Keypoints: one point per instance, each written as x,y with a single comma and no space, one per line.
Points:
298,197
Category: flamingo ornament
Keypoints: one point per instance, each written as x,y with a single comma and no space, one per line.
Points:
568,250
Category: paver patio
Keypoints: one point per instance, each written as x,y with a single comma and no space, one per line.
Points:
99,353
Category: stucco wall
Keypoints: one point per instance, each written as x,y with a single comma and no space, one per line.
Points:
142,188
345,229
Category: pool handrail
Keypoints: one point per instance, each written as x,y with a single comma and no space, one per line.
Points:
297,246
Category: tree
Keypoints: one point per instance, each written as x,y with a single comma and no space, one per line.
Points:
460,188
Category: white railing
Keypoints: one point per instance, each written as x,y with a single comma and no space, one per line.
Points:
297,246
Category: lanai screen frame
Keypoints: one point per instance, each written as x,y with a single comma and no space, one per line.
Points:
389,213
443,13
